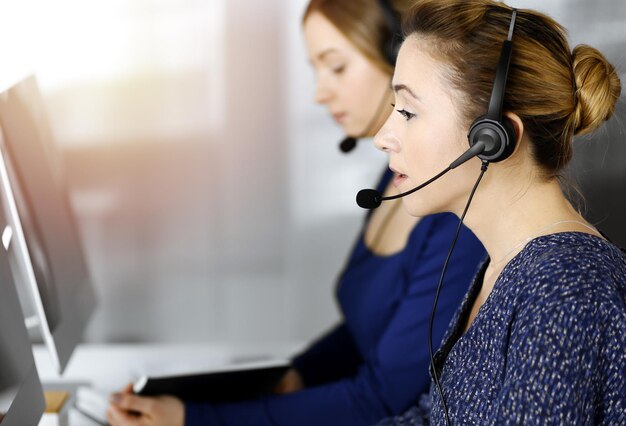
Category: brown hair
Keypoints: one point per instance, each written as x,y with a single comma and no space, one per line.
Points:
360,21
556,92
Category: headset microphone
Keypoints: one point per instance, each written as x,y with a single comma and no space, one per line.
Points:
370,198
348,144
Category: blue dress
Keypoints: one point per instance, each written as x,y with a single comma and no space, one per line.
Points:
548,347
375,362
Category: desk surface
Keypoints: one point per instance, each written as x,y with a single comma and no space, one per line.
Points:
109,367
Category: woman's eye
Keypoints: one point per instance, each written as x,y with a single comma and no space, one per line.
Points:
407,115
339,69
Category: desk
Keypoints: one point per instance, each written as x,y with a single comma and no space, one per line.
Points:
109,367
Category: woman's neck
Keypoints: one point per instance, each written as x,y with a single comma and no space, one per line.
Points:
505,220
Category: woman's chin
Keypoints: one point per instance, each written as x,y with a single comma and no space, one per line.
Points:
420,206
416,209
349,129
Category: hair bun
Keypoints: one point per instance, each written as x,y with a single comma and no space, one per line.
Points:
597,89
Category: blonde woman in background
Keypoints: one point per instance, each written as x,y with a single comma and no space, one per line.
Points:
360,371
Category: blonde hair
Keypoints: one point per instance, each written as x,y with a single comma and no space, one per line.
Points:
360,21
557,93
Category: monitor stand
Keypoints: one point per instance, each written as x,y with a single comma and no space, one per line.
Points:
60,398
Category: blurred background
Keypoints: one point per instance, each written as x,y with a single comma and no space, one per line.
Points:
213,202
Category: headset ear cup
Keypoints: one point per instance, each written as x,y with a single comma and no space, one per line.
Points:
498,136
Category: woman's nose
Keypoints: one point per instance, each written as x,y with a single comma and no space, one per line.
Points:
385,139
322,96
323,93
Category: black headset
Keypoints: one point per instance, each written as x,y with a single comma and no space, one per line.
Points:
493,130
491,137
496,132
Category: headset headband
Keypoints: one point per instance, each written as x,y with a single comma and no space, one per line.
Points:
499,85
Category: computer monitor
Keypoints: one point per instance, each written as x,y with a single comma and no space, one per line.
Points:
21,394
47,257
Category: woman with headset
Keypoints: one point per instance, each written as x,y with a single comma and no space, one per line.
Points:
540,337
359,372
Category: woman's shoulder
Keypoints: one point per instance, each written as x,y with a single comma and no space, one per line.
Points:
571,268
574,254
569,297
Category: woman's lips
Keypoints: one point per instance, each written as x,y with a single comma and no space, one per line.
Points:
398,179
340,118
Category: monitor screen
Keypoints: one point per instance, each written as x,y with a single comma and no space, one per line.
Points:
21,394
47,258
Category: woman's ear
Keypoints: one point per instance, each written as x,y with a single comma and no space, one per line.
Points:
518,127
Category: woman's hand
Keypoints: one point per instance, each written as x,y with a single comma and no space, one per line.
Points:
291,382
127,409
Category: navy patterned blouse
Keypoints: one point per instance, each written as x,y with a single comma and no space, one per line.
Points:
547,347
